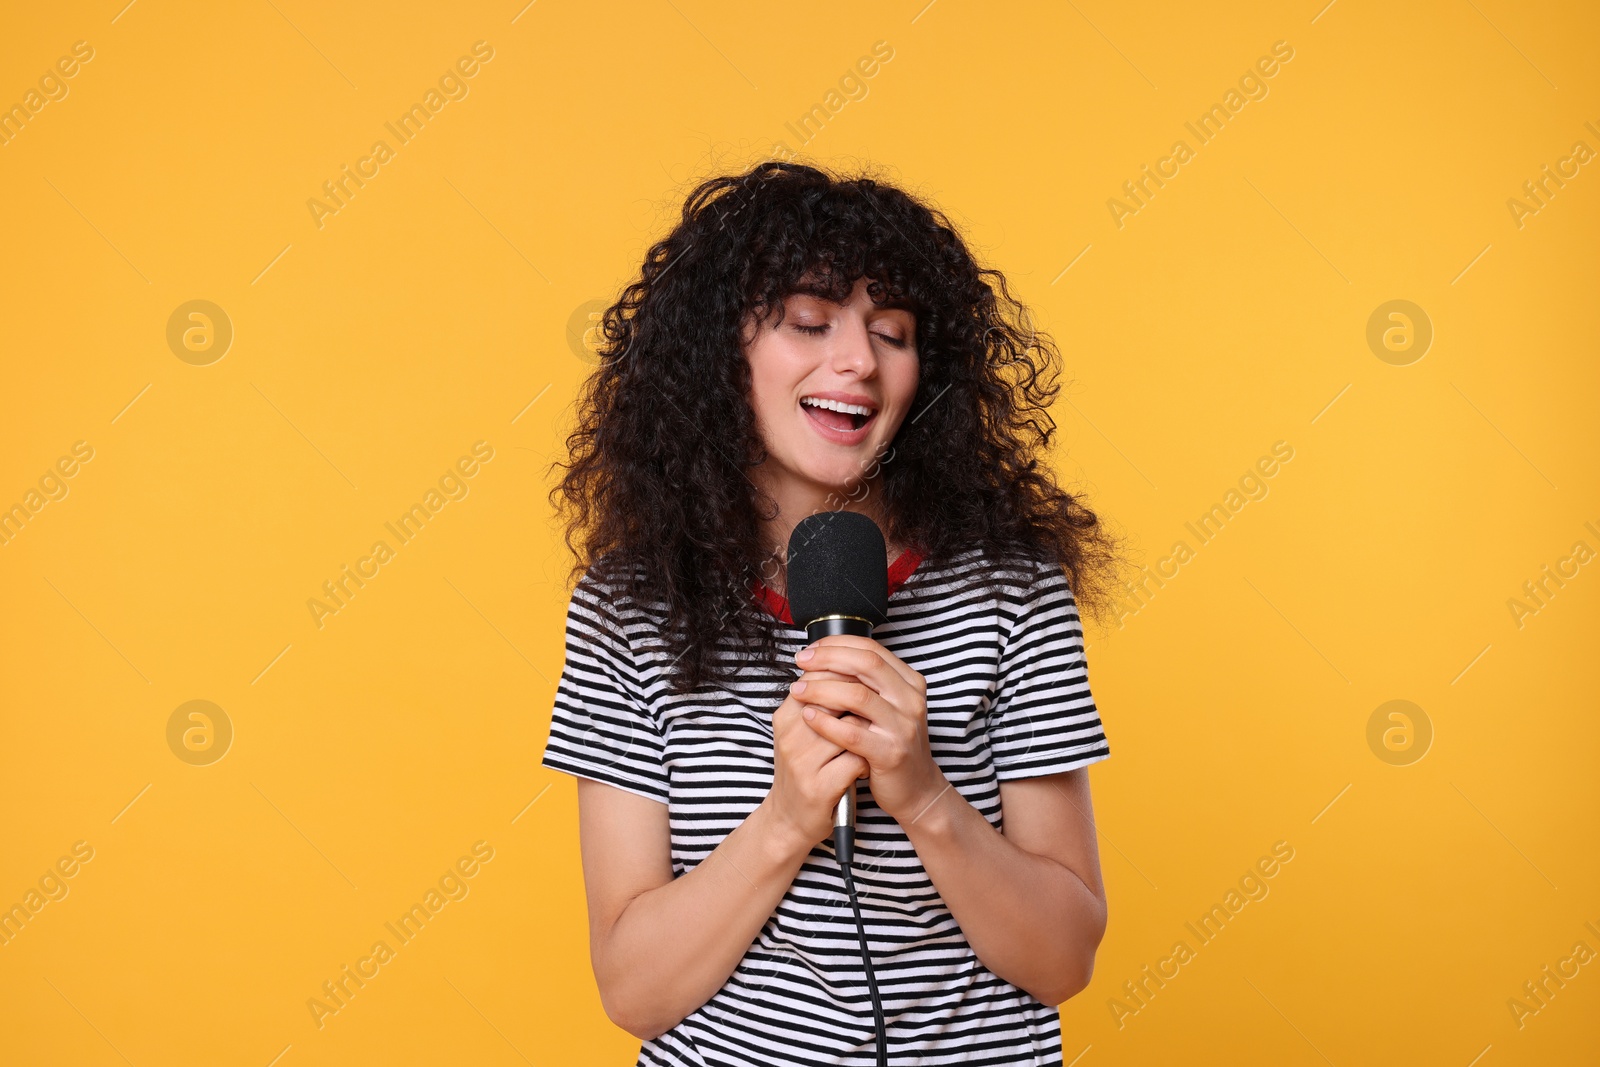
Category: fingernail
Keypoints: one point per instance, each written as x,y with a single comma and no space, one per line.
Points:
804,655
798,687
810,712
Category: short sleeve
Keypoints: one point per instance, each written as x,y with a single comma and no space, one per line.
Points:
1044,718
601,726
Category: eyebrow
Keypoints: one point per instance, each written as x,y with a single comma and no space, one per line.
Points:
894,303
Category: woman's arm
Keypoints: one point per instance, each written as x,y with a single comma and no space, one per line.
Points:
1030,901
662,946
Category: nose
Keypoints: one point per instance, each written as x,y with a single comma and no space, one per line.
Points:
852,349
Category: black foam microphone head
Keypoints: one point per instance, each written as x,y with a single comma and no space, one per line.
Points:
838,565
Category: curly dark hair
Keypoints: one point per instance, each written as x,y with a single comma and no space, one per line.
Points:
656,490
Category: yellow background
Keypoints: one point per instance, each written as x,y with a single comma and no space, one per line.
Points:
432,311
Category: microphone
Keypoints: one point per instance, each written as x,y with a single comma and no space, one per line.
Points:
838,583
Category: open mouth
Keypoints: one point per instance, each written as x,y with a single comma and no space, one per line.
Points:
842,419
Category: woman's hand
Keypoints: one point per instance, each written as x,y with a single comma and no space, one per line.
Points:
809,775
864,699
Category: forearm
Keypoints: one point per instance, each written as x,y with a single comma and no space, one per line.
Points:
1029,919
673,947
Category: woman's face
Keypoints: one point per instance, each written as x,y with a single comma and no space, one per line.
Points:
856,354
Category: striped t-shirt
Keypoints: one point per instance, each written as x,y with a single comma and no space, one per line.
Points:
1008,698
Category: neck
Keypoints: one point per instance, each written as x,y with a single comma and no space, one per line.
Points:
795,504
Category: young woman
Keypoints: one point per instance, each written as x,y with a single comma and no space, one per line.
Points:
800,343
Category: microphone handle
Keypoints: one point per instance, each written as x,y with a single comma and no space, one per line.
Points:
844,812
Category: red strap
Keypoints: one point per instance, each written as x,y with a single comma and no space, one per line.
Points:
778,605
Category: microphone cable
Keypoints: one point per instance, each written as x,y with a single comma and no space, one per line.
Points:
844,844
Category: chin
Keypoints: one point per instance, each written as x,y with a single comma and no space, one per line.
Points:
840,479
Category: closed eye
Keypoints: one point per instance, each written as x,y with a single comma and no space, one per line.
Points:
813,330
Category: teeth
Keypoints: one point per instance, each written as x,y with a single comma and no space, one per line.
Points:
835,405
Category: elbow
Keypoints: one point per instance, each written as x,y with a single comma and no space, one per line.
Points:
1077,980
1076,970
626,1015
633,1005
1073,979
640,1031
626,995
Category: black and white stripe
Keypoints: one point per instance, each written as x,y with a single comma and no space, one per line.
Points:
1008,698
